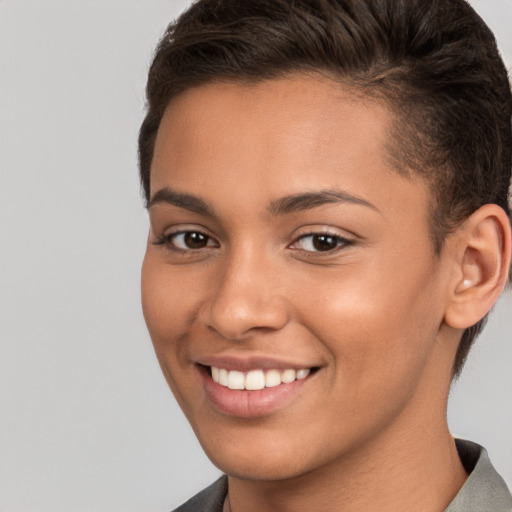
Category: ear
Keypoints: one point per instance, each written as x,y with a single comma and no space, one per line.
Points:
482,248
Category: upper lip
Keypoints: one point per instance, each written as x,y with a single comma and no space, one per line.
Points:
254,362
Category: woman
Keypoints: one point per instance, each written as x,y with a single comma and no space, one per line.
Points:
327,184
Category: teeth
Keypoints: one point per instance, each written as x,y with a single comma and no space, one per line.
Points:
288,376
272,379
302,374
223,377
236,380
256,379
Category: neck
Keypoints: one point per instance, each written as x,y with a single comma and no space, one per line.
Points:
419,473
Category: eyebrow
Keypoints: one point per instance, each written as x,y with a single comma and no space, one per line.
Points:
187,201
310,200
282,206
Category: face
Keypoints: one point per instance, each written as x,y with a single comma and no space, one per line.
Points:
290,286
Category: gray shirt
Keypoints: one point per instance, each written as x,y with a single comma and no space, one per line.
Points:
484,490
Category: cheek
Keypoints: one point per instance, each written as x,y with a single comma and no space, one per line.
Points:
374,325
166,307
167,304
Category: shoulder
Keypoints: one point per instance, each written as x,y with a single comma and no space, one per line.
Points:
210,499
484,489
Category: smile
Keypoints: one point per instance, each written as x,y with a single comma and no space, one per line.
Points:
256,379
247,389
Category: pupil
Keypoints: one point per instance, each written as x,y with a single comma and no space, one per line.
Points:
196,240
324,242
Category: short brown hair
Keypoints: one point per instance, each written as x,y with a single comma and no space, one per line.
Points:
434,62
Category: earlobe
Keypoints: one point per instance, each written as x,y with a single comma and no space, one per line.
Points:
482,264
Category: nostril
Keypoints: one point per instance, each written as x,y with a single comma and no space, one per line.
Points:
239,323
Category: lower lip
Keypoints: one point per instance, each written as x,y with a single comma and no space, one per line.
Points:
249,404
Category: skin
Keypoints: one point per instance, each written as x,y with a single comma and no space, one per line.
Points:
368,430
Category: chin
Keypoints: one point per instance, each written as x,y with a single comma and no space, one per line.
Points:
263,468
263,457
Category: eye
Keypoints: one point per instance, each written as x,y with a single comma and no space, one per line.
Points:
319,242
188,240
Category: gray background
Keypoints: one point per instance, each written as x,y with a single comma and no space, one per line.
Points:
87,422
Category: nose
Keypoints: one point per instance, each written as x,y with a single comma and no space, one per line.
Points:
247,298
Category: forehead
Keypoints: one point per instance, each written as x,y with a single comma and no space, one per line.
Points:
276,138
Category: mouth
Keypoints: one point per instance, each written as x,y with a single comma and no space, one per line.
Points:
256,379
256,392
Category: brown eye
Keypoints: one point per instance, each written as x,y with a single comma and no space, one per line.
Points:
324,242
195,240
190,240
320,242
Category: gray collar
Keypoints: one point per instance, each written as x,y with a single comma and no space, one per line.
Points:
484,490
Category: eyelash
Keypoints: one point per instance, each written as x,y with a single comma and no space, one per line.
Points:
166,240
341,242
